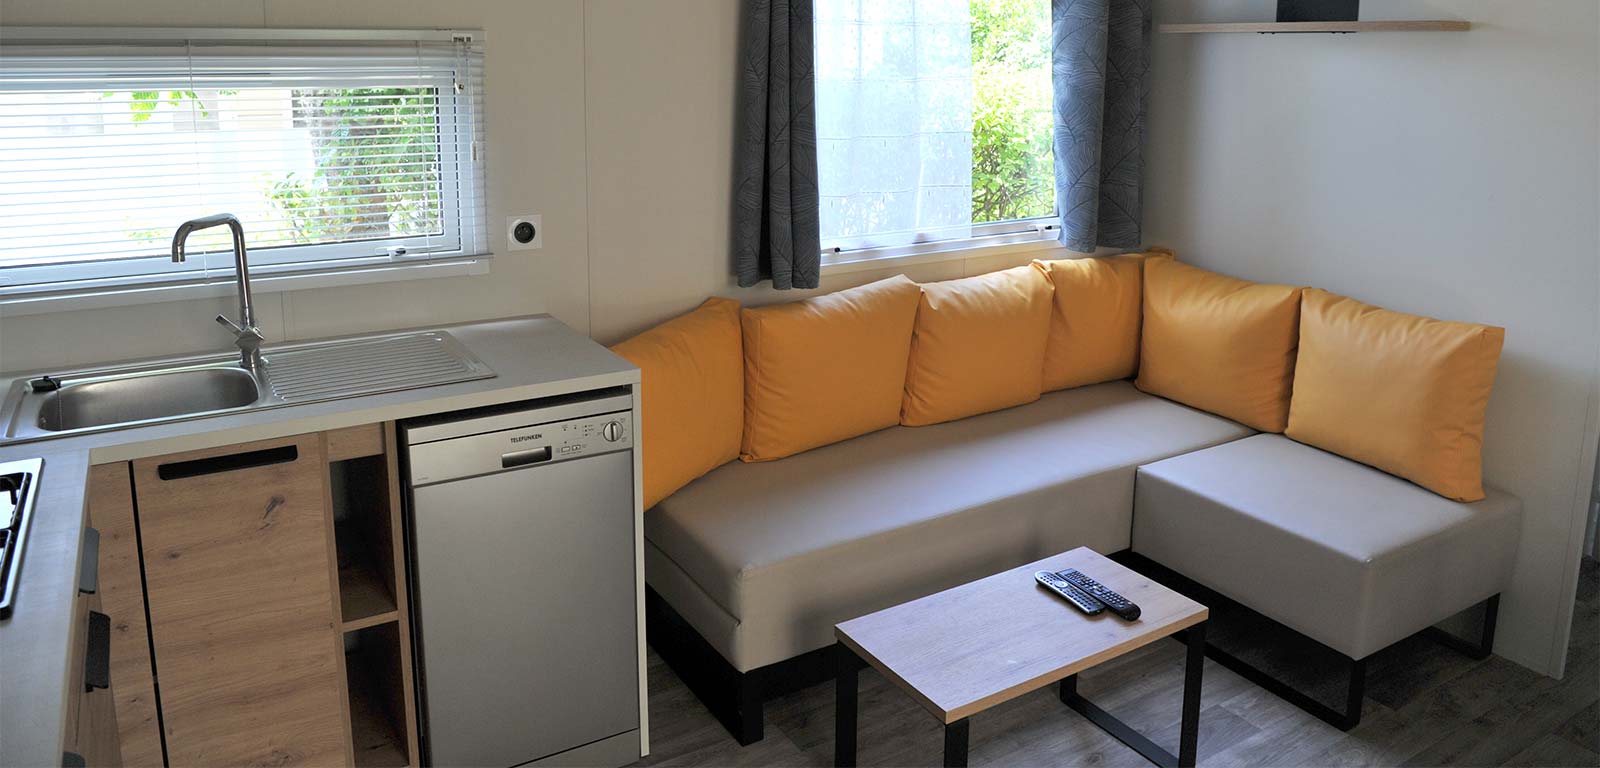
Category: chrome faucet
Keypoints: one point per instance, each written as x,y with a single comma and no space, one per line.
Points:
245,333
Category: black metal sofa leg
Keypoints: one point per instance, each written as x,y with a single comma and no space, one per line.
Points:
1344,720
1485,645
747,723
1350,717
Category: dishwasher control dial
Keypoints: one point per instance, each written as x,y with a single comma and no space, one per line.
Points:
612,431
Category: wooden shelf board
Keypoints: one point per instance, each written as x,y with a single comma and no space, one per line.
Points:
362,594
387,617
1321,26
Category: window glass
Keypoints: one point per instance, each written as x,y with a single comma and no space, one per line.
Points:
933,118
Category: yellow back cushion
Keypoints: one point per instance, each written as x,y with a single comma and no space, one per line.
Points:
825,369
1221,345
1403,393
692,378
1094,326
979,346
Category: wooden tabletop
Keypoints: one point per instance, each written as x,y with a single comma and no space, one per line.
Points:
966,649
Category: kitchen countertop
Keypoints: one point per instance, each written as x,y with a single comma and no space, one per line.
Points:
533,357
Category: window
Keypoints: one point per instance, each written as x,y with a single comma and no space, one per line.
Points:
343,155
933,121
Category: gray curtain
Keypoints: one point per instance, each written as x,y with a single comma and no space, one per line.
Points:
776,233
1102,58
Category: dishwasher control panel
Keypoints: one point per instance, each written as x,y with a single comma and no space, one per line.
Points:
594,434
487,452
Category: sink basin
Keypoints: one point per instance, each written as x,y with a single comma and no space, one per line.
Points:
146,397
177,389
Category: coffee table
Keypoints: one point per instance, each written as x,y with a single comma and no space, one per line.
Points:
964,650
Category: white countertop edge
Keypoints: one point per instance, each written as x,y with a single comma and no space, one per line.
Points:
245,433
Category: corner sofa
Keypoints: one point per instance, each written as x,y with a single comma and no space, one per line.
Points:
751,563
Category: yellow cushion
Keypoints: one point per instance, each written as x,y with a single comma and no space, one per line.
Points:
692,375
1403,393
978,347
825,369
1094,326
1221,345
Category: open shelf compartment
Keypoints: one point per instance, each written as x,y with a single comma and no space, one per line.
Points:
364,536
375,679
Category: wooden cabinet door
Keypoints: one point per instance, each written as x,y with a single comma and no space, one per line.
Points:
122,593
239,581
95,738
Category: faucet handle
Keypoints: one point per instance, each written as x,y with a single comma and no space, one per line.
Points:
238,330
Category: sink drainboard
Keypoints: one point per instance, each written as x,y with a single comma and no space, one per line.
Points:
365,367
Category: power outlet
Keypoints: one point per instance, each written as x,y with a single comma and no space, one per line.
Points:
525,232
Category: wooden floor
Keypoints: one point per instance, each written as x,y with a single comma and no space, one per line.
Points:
1426,705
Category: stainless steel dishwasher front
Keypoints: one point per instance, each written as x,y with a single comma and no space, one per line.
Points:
520,533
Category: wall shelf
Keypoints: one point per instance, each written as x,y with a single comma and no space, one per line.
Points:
1276,27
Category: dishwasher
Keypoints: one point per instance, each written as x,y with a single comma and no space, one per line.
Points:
520,534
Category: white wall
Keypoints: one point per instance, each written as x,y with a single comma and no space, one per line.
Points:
1591,535
1447,174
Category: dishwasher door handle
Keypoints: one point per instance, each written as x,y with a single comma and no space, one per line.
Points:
524,458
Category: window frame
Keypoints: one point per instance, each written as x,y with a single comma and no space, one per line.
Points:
463,247
1039,231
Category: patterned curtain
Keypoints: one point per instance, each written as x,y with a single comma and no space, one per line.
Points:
775,195
1102,59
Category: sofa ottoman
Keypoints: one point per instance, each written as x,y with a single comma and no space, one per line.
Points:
1347,555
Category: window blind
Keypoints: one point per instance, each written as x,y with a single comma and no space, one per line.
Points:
336,154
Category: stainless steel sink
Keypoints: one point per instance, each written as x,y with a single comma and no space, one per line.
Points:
145,397
38,408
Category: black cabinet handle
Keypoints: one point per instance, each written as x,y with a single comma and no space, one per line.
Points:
179,470
89,566
97,662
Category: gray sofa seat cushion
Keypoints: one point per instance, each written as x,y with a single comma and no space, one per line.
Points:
1346,554
763,559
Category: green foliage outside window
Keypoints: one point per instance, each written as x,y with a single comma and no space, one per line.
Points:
377,156
1012,166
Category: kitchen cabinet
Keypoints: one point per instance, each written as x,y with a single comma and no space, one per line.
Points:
273,577
92,734
238,551
121,592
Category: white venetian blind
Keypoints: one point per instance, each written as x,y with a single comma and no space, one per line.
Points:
336,154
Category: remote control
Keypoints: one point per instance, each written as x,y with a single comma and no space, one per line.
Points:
1079,598
1118,604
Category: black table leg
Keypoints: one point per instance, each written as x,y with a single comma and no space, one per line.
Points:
1189,735
844,722
1194,665
955,744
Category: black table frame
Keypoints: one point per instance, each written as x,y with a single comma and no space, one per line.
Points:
957,734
